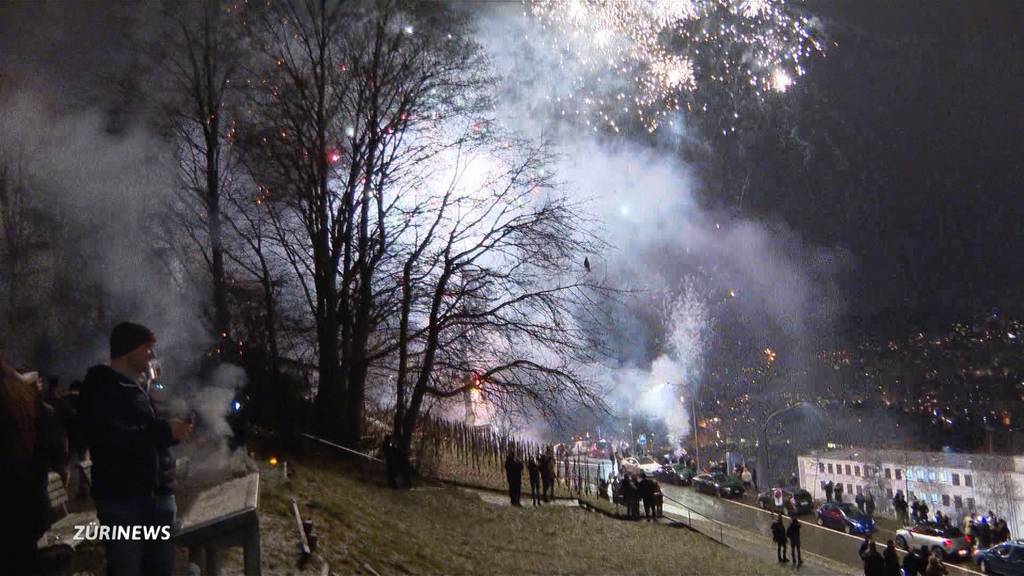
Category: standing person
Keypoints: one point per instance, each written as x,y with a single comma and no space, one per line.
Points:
874,564
628,494
838,494
899,503
915,511
984,534
859,500
1002,530
547,473
869,504
935,567
829,489
779,537
534,472
793,533
646,492
922,510
514,475
133,467
891,559
747,478
28,451
913,564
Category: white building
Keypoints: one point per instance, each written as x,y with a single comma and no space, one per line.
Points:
957,484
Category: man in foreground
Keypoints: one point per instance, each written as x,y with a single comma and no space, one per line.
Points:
133,467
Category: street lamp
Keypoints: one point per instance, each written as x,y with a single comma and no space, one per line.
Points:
764,438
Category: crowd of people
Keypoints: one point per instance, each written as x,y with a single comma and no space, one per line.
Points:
113,415
541,472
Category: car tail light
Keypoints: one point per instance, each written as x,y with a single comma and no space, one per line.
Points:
947,543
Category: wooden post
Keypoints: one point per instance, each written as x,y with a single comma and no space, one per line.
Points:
302,533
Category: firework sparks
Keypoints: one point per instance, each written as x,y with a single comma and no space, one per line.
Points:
649,58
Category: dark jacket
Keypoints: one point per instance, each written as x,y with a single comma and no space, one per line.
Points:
534,469
874,564
892,562
514,471
793,532
129,443
778,532
912,564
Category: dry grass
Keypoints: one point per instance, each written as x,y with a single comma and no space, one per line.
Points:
442,530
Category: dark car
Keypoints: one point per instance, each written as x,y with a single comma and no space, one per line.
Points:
1006,559
798,502
845,516
718,484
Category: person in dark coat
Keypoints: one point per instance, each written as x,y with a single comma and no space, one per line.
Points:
838,493
913,565
923,511
859,501
984,534
547,473
793,533
892,559
514,475
874,564
646,491
869,504
829,490
29,450
533,468
779,537
133,471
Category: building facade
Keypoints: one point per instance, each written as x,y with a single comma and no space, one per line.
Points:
957,484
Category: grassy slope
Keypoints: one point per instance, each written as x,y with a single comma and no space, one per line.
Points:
450,531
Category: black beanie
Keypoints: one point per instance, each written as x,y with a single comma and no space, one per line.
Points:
128,336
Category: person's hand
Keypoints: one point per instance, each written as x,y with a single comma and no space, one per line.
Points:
180,429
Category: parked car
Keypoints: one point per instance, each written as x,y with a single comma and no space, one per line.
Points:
718,484
949,543
1006,559
845,517
677,475
799,502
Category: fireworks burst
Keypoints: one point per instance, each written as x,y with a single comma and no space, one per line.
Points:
646,59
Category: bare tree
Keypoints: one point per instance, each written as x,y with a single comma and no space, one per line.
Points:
345,101
200,53
495,297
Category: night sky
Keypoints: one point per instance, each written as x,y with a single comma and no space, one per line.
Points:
912,132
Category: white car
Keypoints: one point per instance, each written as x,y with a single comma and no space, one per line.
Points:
633,466
948,543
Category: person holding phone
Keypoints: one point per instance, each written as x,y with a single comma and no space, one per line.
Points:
133,465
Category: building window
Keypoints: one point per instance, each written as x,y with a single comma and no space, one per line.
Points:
858,489
849,488
958,502
848,470
945,499
899,474
821,467
931,475
856,470
935,498
829,467
956,479
970,503
968,481
888,473
888,492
